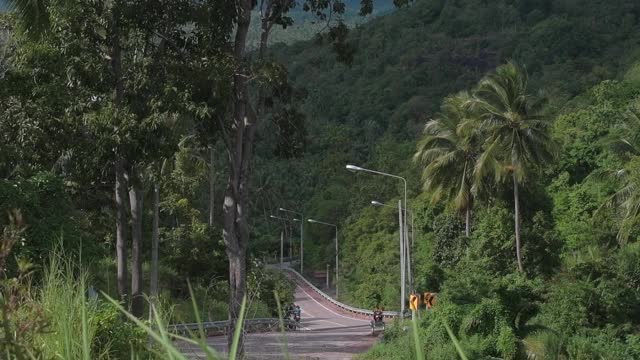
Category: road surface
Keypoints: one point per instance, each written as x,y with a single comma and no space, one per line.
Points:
327,333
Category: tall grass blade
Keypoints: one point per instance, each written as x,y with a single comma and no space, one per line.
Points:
455,342
202,338
285,345
416,338
161,329
86,347
239,325
170,350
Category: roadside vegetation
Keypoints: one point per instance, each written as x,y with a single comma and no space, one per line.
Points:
142,162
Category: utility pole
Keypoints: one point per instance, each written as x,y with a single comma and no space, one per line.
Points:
327,279
402,268
301,219
337,258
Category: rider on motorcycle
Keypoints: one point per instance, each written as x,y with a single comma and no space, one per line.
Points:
378,314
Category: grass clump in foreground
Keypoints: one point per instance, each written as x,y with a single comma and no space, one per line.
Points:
57,320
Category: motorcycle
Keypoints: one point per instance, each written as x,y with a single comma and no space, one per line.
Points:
293,313
377,324
296,314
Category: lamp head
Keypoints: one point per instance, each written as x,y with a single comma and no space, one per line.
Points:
282,209
353,168
296,219
376,203
311,221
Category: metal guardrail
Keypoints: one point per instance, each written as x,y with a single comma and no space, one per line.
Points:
222,326
271,323
339,304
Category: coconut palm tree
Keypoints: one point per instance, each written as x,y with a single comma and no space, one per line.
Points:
625,142
518,140
31,14
449,150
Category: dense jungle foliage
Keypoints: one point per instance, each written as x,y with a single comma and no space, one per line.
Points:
578,296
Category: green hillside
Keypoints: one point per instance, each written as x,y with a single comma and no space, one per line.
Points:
579,56
405,63
168,167
372,111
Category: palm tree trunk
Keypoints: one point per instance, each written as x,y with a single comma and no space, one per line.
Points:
155,240
121,231
467,220
135,199
516,198
212,175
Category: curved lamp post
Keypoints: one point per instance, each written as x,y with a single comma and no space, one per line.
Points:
403,231
407,245
282,238
301,234
336,227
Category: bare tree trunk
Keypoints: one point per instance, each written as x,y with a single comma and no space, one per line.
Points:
121,231
135,199
212,182
155,241
516,198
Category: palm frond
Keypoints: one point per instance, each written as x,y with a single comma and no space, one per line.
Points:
448,150
32,15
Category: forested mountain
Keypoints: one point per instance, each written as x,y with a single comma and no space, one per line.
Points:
404,65
306,26
514,123
580,56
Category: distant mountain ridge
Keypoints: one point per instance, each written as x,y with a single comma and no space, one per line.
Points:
306,25
353,7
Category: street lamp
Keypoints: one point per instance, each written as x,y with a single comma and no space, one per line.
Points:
403,234
336,227
354,168
301,235
407,246
282,239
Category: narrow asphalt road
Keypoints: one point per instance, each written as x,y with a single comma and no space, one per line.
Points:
327,333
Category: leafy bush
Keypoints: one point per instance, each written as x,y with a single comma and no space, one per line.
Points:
115,337
48,215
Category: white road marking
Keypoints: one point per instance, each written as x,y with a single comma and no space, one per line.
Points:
313,318
328,321
329,310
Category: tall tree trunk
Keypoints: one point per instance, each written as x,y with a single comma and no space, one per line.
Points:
212,182
121,183
240,146
135,199
121,230
516,198
155,241
236,239
235,232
